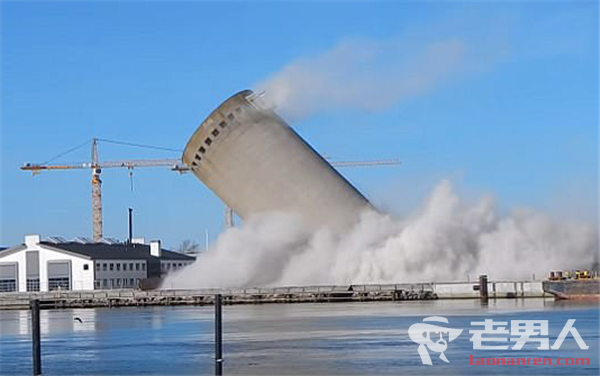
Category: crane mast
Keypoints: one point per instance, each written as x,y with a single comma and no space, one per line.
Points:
96,194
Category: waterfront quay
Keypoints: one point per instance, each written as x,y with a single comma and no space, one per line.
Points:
291,294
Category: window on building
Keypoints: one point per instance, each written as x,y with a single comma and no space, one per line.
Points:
143,266
86,267
118,282
59,275
137,266
105,283
97,284
8,285
208,141
202,150
98,266
32,269
223,124
112,266
59,283
131,283
104,267
198,158
33,284
215,132
230,117
118,266
112,283
131,266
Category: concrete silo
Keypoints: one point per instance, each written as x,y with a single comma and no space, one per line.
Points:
256,163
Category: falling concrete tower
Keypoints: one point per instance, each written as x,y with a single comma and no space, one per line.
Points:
256,163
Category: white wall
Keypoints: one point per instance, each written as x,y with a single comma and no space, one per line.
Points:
80,279
19,258
501,289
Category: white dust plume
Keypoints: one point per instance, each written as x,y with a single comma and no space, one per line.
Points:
366,74
447,239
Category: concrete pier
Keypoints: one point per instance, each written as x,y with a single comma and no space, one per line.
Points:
291,294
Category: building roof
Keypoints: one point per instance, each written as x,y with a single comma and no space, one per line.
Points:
121,251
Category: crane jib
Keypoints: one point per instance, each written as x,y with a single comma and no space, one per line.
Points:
174,164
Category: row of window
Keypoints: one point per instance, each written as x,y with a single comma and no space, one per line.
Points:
33,284
171,265
118,266
208,140
64,283
116,283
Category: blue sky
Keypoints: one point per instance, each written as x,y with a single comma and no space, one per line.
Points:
520,121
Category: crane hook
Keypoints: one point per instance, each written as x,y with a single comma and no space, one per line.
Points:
131,178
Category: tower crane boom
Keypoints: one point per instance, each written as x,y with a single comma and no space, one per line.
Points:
96,166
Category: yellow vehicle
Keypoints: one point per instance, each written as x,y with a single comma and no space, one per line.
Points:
560,275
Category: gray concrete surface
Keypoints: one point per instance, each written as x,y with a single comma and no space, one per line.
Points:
256,163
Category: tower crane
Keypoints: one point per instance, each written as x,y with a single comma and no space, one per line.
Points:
96,166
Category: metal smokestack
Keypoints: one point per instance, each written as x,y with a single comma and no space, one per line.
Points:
130,226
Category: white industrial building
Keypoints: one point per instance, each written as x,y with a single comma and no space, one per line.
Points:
56,264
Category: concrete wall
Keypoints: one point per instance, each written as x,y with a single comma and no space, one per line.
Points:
257,164
500,289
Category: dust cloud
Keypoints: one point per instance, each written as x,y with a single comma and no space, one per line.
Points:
362,74
447,239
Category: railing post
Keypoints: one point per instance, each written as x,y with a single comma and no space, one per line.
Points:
218,336
35,337
483,288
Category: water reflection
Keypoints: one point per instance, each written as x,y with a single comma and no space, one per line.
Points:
353,338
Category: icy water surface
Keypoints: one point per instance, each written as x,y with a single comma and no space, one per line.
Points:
282,339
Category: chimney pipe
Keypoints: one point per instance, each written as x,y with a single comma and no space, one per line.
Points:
130,225
32,240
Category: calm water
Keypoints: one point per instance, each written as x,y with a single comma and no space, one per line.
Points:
314,339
